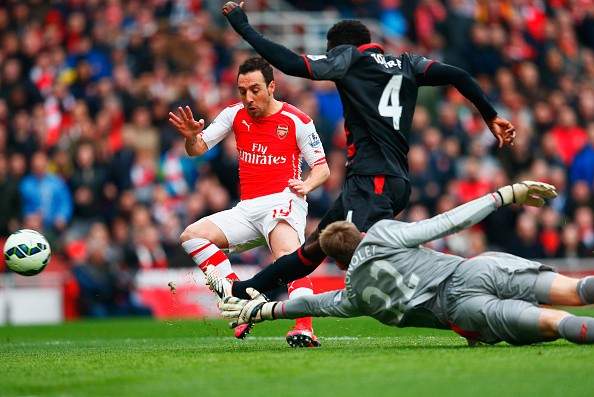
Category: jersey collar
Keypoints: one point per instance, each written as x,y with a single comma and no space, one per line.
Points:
371,46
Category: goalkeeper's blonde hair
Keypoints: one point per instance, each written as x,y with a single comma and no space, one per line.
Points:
339,241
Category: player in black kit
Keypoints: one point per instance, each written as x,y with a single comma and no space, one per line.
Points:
378,92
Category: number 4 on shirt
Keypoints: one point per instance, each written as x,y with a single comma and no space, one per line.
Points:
389,104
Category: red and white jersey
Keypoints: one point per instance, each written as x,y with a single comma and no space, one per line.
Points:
269,148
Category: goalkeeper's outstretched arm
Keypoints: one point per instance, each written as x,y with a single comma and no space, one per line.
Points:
464,216
328,304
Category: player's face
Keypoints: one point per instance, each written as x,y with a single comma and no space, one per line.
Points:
255,94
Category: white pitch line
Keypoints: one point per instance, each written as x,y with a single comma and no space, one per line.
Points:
198,338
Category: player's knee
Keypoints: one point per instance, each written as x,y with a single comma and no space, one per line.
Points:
284,251
194,231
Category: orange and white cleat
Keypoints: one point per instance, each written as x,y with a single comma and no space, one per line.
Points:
302,337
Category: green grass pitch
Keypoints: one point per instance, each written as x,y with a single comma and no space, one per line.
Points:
359,357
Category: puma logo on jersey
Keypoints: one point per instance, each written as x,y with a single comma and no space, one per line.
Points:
246,124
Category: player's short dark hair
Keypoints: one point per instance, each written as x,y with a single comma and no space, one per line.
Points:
348,32
339,240
254,64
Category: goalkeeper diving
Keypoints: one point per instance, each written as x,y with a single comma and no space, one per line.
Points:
391,277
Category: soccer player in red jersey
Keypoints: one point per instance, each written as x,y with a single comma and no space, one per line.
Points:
271,138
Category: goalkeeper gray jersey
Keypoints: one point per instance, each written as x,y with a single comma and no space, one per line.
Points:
385,279
391,275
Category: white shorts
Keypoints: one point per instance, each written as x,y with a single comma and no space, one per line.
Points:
249,223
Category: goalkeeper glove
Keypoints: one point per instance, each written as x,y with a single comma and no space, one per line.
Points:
243,311
527,192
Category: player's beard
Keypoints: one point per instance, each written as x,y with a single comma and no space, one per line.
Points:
260,111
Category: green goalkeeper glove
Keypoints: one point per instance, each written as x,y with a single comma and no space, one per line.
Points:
243,311
527,192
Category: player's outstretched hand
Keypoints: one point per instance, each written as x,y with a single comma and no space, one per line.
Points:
503,130
244,311
527,192
185,124
230,6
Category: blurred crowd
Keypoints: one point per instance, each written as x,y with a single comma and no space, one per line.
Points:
87,155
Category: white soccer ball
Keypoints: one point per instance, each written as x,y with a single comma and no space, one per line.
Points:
27,252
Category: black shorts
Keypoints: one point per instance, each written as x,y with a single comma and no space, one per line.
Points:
370,198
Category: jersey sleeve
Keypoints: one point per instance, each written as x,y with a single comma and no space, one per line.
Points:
309,144
220,127
328,304
409,235
333,65
419,64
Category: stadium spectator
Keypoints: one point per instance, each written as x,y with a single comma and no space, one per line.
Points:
549,236
46,195
10,200
569,137
87,184
526,239
582,168
473,184
571,246
105,290
584,220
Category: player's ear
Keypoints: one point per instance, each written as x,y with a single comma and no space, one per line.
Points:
271,87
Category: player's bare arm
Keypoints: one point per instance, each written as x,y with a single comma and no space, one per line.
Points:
190,129
318,175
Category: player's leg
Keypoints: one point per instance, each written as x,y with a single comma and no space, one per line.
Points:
295,265
567,291
518,278
372,198
204,239
491,298
496,295
388,196
284,238
519,322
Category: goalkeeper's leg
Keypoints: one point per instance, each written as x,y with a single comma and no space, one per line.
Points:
485,318
568,291
521,322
